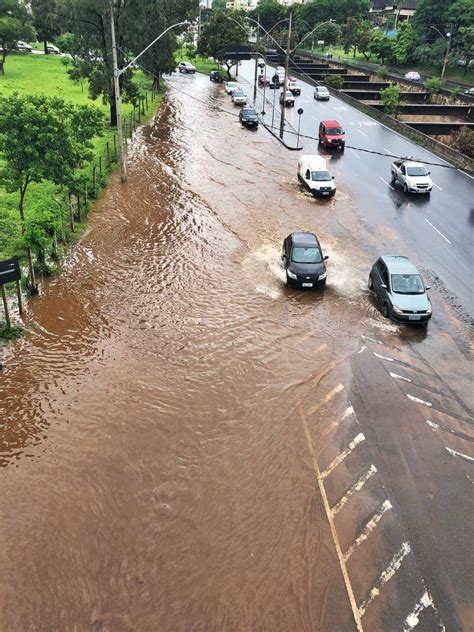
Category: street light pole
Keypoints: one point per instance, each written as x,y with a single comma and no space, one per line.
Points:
256,61
285,85
447,37
118,102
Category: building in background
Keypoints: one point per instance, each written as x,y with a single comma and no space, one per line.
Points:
381,10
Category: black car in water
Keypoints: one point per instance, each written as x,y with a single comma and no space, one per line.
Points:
248,117
216,76
303,260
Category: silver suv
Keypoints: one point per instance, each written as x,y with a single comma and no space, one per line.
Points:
399,288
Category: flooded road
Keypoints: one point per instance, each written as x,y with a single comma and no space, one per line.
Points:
187,444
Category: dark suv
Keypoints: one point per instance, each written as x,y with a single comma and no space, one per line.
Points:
216,76
303,260
248,116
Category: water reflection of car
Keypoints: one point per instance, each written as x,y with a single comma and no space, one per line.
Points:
186,67
413,75
239,97
248,117
303,260
231,87
413,176
216,76
400,290
321,93
287,99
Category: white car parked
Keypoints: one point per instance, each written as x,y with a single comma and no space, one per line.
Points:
239,97
412,176
187,67
413,75
52,49
231,86
23,47
321,93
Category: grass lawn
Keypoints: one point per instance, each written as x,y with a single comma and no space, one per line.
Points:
38,74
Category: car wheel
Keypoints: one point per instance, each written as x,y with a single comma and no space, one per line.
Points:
370,283
393,179
405,188
386,310
319,141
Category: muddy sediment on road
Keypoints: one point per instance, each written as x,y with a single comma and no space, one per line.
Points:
163,419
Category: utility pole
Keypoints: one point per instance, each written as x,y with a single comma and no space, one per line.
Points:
448,38
285,86
118,102
256,61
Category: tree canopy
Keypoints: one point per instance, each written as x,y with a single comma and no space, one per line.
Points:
14,25
222,30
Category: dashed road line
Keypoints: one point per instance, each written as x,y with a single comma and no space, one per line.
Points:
459,454
385,577
369,527
382,357
361,132
437,185
390,152
413,618
438,231
344,454
417,400
372,339
456,433
387,183
334,391
348,412
358,485
355,154
400,377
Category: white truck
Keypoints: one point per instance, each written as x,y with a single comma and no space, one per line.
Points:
314,175
413,177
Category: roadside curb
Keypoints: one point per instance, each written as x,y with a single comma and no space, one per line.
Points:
269,129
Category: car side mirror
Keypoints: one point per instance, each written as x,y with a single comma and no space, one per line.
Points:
429,173
383,286
333,177
428,287
326,257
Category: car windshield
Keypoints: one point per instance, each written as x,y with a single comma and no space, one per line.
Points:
324,90
239,93
306,255
249,112
320,176
407,284
417,171
334,131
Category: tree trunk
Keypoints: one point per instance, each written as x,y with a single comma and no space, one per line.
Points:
2,69
113,113
32,284
45,44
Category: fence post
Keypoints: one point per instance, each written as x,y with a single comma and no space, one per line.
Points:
71,211
108,154
142,100
131,124
100,165
94,181
78,198
5,307
86,196
115,147
146,99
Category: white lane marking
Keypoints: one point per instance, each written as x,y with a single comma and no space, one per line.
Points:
436,185
361,132
344,454
432,424
400,377
413,618
439,232
417,400
466,174
372,339
387,183
386,576
355,488
459,454
349,411
383,357
390,152
369,527
363,348
337,389
355,154
340,109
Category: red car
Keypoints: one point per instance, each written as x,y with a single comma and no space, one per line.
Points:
331,134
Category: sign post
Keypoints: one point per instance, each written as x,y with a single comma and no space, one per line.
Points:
9,272
300,112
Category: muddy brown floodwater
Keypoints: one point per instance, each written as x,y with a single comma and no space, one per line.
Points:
156,419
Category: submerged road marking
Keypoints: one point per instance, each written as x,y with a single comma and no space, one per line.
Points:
413,618
417,400
386,576
387,183
390,152
361,132
355,488
438,231
400,377
372,339
377,355
349,411
337,389
369,527
459,454
344,454
340,557
436,185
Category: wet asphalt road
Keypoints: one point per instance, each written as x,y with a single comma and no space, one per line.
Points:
439,228
189,444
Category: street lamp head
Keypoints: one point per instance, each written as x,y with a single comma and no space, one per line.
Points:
448,34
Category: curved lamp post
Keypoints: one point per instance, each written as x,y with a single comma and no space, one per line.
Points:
447,37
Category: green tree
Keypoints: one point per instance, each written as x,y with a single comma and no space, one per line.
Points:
381,45
339,10
403,43
363,43
464,141
390,98
434,85
329,33
42,138
428,13
222,30
351,34
270,12
45,21
334,81
14,25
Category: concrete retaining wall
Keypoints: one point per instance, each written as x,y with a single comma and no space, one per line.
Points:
438,129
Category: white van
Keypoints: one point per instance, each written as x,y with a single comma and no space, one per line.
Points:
314,174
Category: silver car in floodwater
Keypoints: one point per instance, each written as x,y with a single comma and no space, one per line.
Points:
400,290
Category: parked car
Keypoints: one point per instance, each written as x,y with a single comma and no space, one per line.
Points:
231,87
412,176
280,71
52,49
314,175
275,83
248,116
400,290
303,260
464,62
294,87
470,92
23,47
239,97
263,80
186,67
331,134
260,62
216,76
413,75
287,99
321,93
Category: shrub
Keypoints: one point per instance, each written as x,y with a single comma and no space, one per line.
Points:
434,85
390,98
464,141
383,72
334,81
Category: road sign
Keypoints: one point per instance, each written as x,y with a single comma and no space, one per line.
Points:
320,42
300,111
9,270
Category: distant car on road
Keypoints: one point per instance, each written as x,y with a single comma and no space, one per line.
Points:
52,49
280,71
303,260
413,75
470,92
260,62
186,67
321,93
412,176
314,175
239,97
231,87
216,76
400,290
23,47
287,99
331,134
294,87
263,80
248,116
